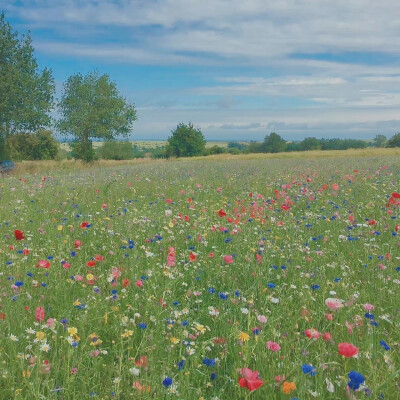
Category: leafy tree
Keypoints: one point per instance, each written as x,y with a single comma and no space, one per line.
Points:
32,146
186,141
394,141
91,107
273,143
310,143
379,141
26,93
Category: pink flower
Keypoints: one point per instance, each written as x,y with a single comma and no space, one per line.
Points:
139,283
334,303
329,317
312,333
262,318
228,259
347,350
273,346
43,264
280,378
39,314
368,307
78,278
250,379
50,322
327,337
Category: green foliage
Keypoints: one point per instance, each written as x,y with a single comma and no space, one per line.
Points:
91,107
273,143
32,146
112,150
26,93
394,141
379,141
217,150
342,144
186,141
83,150
310,143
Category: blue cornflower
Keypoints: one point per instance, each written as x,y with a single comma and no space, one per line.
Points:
271,285
181,365
209,362
369,316
213,376
384,345
223,296
356,379
309,369
167,381
315,287
142,325
211,290
19,283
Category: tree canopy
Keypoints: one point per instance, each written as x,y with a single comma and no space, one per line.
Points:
26,93
186,141
92,108
273,143
394,141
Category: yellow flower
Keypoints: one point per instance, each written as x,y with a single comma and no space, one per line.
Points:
174,340
244,337
200,328
89,277
40,335
72,331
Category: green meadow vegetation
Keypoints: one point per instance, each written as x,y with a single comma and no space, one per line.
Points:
246,277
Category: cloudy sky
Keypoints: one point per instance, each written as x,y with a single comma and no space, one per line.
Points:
237,69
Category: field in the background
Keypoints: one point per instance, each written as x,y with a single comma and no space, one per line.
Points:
202,279
148,144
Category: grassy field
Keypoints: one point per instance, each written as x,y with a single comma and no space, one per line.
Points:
242,277
148,144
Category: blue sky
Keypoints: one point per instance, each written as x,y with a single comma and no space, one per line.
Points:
237,69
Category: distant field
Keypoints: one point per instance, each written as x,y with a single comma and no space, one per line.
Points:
148,144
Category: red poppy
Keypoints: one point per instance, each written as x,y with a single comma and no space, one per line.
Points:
43,264
97,257
396,195
221,213
77,244
91,263
192,256
39,314
143,361
125,283
250,379
84,224
2,316
25,252
19,235
347,349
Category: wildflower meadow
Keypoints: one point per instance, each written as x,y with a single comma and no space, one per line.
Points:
203,280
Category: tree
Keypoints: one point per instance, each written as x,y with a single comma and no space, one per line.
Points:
394,141
273,143
26,93
91,107
310,143
380,141
40,145
186,141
